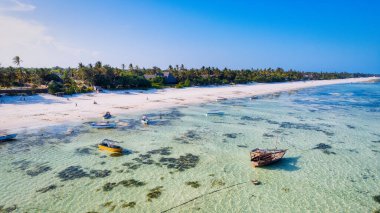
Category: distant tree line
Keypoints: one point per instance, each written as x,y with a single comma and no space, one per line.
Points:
84,77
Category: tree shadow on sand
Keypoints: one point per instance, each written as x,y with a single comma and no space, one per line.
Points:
287,164
31,99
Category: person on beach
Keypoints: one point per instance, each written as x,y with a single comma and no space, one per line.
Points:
95,102
76,104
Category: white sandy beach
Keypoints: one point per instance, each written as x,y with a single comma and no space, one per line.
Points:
44,110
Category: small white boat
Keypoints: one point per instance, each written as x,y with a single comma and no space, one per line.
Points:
253,98
211,113
69,131
103,125
221,99
5,137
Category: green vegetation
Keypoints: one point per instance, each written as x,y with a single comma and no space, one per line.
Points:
129,205
154,193
83,78
194,184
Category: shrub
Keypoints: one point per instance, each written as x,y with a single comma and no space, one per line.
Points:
54,87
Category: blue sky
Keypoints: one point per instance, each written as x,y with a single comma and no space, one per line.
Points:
304,35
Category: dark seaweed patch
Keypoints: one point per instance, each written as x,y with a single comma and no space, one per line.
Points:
83,151
144,159
246,118
325,148
278,131
47,188
191,134
155,193
161,151
132,124
267,135
109,186
271,121
194,184
376,198
173,114
182,163
8,209
22,164
109,205
231,135
128,205
99,173
289,125
125,183
71,173
131,182
132,166
350,126
39,169
367,174
217,183
181,140
322,146
353,151
328,152
47,136
376,141
242,146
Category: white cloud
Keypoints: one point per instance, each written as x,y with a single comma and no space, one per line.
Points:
14,5
31,41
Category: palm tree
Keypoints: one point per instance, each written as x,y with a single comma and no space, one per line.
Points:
98,64
123,67
17,60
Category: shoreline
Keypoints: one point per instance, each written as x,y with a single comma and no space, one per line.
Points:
44,110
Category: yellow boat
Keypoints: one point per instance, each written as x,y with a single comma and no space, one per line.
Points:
110,147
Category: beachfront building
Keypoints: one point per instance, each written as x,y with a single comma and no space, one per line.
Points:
167,76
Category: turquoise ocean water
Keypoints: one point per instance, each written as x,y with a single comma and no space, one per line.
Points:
188,162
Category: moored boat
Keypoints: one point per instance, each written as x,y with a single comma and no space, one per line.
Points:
221,99
107,145
263,157
253,98
6,137
103,125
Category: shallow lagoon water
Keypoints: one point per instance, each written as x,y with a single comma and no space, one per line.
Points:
188,162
